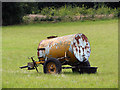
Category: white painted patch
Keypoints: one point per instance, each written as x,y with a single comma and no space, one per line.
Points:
47,49
79,46
41,53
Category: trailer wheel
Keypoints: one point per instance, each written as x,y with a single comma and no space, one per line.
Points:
52,66
74,70
87,63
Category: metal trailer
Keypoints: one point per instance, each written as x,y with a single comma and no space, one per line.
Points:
53,52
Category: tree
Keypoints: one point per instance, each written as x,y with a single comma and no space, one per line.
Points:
12,13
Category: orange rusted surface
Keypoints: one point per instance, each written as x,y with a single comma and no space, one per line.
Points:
51,68
76,47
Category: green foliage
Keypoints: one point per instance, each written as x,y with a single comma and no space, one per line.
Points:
65,11
45,11
75,11
49,11
26,19
30,7
83,10
42,19
118,10
103,10
36,19
115,12
68,12
91,12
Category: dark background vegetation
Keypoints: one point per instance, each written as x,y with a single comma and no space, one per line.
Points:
13,12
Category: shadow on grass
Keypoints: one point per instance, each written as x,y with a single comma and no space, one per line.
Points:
77,73
40,73
71,73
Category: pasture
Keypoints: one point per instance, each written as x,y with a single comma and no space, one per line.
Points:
21,41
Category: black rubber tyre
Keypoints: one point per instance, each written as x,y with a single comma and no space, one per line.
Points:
52,66
74,70
87,63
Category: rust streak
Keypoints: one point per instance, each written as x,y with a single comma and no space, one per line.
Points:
74,44
84,37
88,52
77,39
84,59
76,49
86,47
83,50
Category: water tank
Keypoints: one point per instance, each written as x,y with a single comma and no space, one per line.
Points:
75,47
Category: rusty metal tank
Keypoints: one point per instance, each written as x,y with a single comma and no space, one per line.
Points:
75,47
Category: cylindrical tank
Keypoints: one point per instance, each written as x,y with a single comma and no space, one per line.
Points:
76,47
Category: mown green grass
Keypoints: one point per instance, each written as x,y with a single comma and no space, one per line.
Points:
21,41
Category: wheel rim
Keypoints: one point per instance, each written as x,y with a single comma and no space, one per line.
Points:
51,68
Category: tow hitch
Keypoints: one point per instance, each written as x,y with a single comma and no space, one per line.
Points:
31,65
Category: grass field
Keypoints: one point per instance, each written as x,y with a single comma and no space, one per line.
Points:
21,41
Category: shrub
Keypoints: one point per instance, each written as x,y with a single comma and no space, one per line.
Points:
42,19
58,19
103,10
36,19
49,11
26,19
91,12
115,12
83,10
73,13
45,11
